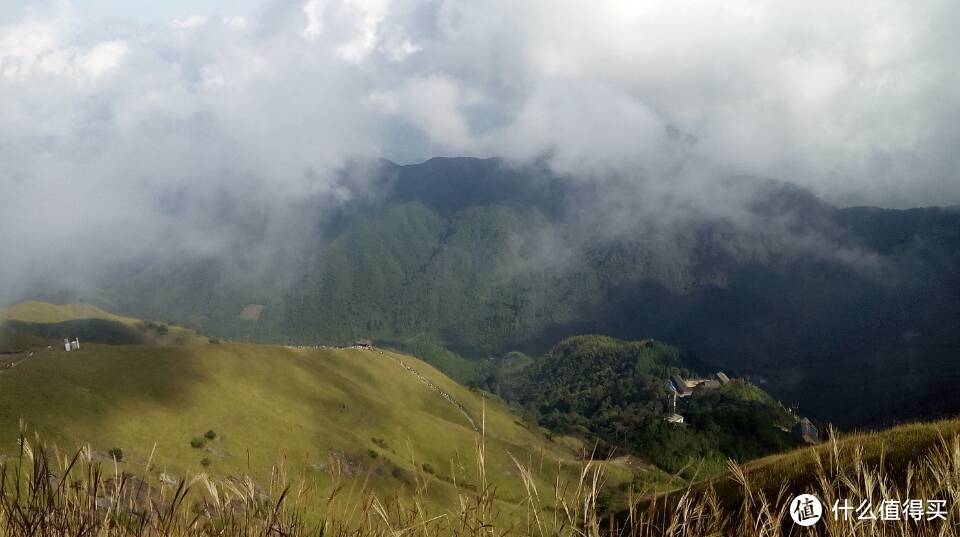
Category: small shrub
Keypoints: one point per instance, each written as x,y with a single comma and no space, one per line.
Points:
372,454
381,443
116,454
213,340
401,475
159,328
210,435
205,462
198,442
428,469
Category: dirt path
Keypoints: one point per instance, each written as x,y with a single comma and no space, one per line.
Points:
449,398
9,361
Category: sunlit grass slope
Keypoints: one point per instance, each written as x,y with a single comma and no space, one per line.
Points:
894,453
316,409
318,412
896,448
55,321
918,462
32,311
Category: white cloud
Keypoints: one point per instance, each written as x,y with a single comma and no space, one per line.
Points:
856,100
189,22
102,58
237,22
313,10
434,105
818,94
29,47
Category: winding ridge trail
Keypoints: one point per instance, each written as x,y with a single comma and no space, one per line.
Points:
450,399
11,360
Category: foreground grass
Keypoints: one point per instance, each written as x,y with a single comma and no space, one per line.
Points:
897,448
45,493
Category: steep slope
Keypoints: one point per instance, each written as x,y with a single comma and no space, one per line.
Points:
378,419
894,449
900,481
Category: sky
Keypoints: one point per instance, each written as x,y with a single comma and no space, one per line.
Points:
114,112
153,12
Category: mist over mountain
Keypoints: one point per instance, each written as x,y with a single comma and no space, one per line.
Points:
848,313
222,132
563,267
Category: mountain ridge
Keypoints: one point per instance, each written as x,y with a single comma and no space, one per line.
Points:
477,257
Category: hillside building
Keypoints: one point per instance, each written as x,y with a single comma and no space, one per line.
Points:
363,344
685,387
805,431
708,384
673,417
680,386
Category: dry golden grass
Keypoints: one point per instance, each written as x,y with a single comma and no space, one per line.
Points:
841,473
45,493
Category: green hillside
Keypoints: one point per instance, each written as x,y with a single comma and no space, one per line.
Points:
909,463
32,311
916,460
361,421
360,413
617,392
482,259
895,450
31,323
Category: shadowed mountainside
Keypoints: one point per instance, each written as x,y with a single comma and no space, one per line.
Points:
825,307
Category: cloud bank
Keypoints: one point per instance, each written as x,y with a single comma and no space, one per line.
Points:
117,139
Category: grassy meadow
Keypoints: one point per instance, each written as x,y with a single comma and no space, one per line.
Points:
36,323
44,493
188,436
315,409
348,418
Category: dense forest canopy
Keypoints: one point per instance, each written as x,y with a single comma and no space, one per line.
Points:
468,258
617,392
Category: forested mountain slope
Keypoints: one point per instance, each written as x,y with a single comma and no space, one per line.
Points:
825,307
